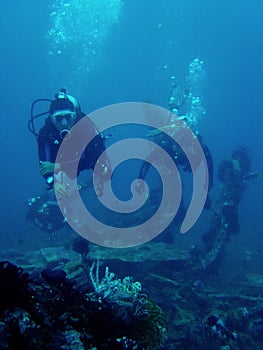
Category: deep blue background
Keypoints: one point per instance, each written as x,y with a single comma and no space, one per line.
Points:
227,35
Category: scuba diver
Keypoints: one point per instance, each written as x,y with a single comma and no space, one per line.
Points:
159,136
234,174
64,112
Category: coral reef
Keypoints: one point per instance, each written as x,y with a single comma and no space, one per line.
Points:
52,312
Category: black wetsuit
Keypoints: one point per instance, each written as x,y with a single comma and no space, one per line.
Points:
49,141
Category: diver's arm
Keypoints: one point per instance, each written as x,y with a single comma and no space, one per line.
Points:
91,153
95,156
47,166
94,153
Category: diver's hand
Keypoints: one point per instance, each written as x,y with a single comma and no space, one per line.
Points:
140,186
48,167
103,175
61,191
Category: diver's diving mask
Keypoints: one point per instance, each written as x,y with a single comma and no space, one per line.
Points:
63,119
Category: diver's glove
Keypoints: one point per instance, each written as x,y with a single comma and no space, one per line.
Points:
61,191
46,168
140,187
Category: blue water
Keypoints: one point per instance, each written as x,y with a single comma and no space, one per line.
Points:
148,43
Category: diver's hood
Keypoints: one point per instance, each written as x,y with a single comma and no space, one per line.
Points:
61,105
63,101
